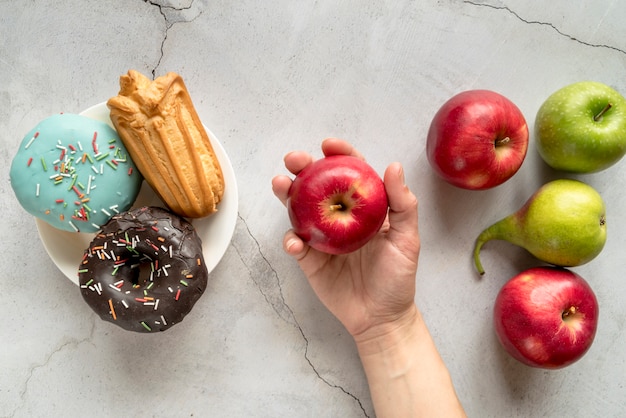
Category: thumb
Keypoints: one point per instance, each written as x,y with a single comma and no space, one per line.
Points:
402,204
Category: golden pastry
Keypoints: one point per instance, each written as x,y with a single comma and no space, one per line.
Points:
161,130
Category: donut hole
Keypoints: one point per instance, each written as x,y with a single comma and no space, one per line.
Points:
136,272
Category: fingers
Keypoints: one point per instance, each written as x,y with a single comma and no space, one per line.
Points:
280,187
294,246
336,146
402,202
295,161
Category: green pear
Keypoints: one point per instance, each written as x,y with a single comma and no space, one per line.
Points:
563,223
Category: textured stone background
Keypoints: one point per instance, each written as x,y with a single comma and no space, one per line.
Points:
269,77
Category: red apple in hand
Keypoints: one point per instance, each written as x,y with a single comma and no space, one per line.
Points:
546,317
337,204
477,140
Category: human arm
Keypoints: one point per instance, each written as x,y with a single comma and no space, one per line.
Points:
406,375
371,291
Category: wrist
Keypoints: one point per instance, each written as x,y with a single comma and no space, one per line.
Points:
406,374
389,335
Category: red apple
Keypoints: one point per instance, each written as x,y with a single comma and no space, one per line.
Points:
546,317
477,140
337,204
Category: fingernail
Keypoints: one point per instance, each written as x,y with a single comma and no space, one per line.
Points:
290,243
401,174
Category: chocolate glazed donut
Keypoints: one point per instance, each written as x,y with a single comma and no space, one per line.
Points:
144,270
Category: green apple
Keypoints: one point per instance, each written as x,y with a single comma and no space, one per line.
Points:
581,128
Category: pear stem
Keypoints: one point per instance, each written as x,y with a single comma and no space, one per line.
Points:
504,229
602,112
486,235
477,263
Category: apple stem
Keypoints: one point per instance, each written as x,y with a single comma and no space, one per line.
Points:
503,141
569,312
335,207
602,112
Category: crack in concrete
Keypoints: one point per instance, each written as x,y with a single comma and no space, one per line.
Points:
550,25
262,273
33,368
171,16
266,279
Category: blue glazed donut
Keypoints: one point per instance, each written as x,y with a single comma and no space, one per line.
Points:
74,173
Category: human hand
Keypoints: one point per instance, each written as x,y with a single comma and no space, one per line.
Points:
375,285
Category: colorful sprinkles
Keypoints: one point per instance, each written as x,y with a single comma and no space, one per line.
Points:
66,167
156,279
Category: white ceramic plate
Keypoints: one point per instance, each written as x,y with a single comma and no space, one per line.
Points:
66,248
